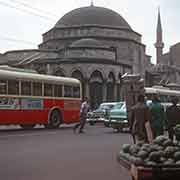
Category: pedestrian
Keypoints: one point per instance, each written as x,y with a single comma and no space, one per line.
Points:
85,107
138,119
157,119
172,115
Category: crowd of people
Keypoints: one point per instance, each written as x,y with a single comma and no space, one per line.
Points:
156,115
141,114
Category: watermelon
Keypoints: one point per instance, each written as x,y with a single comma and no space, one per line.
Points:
169,151
142,154
126,148
177,156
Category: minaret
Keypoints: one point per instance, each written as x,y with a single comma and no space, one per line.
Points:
92,4
159,43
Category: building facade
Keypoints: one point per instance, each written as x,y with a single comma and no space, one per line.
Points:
95,45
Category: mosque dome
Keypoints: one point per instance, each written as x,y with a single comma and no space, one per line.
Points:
92,15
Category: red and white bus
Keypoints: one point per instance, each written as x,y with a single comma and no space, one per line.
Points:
28,98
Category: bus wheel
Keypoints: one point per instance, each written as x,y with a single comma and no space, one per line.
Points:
55,119
27,126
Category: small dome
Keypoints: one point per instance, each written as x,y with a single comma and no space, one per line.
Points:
92,15
88,42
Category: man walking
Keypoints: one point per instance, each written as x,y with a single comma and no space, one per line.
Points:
139,117
173,115
85,107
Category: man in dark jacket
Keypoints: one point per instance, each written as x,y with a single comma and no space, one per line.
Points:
139,117
173,115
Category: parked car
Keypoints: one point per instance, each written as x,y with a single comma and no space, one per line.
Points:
117,117
100,114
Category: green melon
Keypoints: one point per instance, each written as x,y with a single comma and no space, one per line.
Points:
178,162
142,154
134,150
126,148
169,151
151,163
177,156
160,139
169,162
155,156
167,142
138,161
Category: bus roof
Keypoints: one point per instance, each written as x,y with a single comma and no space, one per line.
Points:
27,76
150,90
6,67
163,91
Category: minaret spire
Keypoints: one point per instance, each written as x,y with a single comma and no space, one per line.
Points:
159,42
92,4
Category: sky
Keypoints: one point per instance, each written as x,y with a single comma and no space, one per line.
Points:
24,21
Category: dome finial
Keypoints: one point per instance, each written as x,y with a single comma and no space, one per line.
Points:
92,4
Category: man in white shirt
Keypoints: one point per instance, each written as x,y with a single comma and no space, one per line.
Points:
83,114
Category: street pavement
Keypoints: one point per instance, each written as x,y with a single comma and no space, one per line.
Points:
43,154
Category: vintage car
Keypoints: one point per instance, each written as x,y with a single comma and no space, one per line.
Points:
117,117
101,113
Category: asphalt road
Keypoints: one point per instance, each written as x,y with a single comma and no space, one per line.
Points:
60,154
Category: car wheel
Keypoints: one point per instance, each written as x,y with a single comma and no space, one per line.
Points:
91,123
120,129
106,124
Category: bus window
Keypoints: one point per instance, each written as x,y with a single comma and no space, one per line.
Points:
37,89
3,87
57,90
68,91
13,87
25,88
48,90
76,92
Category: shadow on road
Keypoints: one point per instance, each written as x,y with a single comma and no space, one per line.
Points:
36,129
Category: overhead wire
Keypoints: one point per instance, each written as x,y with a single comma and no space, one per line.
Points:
10,5
34,8
26,11
16,40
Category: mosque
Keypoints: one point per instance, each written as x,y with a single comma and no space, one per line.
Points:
97,46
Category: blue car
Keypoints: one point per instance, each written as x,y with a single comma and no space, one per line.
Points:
117,117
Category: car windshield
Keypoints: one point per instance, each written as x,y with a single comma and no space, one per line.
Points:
106,106
118,105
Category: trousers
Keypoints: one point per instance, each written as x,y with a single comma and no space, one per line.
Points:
81,124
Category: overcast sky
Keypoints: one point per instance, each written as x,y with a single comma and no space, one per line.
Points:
24,21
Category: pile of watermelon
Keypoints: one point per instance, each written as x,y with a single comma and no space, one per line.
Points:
162,151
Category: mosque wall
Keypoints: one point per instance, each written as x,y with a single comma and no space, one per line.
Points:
89,32
90,53
175,55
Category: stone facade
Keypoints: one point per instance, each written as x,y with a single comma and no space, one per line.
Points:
95,45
